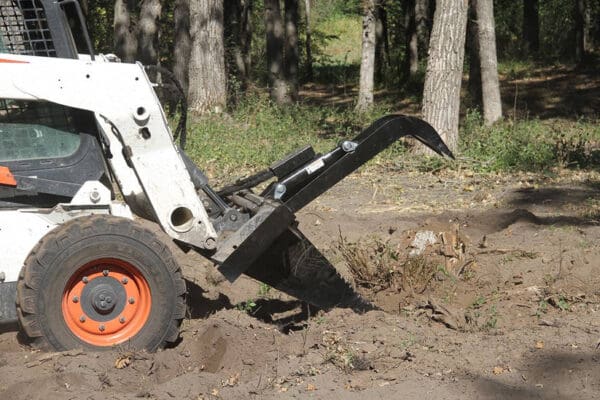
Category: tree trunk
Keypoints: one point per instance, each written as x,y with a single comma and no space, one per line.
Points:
246,37
412,39
125,41
308,43
148,32
367,64
208,85
531,27
423,24
441,95
382,44
291,46
182,42
275,39
473,56
587,30
490,87
238,34
580,29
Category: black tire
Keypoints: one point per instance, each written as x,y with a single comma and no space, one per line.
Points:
52,274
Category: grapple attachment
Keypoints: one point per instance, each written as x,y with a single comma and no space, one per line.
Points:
270,248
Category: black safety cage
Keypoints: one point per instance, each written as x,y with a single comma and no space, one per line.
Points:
35,28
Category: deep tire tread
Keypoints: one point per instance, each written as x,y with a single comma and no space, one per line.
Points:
31,276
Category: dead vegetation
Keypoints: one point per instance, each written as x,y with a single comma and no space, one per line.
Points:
379,265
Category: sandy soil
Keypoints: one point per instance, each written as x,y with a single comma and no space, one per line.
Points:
509,310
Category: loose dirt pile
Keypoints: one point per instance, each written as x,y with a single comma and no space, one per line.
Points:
488,287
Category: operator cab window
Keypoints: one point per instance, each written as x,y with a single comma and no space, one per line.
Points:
31,130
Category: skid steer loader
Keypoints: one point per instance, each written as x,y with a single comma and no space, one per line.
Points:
80,268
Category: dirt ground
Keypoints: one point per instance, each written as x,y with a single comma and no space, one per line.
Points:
504,305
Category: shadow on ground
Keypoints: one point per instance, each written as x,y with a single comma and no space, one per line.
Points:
552,376
286,315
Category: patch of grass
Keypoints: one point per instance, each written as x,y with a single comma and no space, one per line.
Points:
530,145
492,318
248,306
264,290
257,133
515,68
478,302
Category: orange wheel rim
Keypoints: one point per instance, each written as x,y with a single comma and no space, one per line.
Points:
106,302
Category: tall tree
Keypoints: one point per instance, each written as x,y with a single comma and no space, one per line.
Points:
308,41
275,33
367,63
182,42
382,43
208,84
531,27
423,9
238,34
148,32
580,12
292,57
124,31
412,38
474,84
441,95
490,86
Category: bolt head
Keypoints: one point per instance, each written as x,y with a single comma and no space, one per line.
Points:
131,300
108,299
75,299
233,217
210,244
122,320
82,318
85,279
103,304
105,272
94,196
124,281
101,328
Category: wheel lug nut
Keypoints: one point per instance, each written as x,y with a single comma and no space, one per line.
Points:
122,320
85,279
108,299
101,328
131,300
75,299
124,281
82,318
102,297
102,304
105,272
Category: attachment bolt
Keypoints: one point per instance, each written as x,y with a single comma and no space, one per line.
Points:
82,318
131,300
124,281
105,272
75,299
101,328
85,279
122,320
95,196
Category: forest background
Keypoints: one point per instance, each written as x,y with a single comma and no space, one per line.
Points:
263,77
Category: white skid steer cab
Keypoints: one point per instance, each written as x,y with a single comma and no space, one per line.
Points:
80,269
